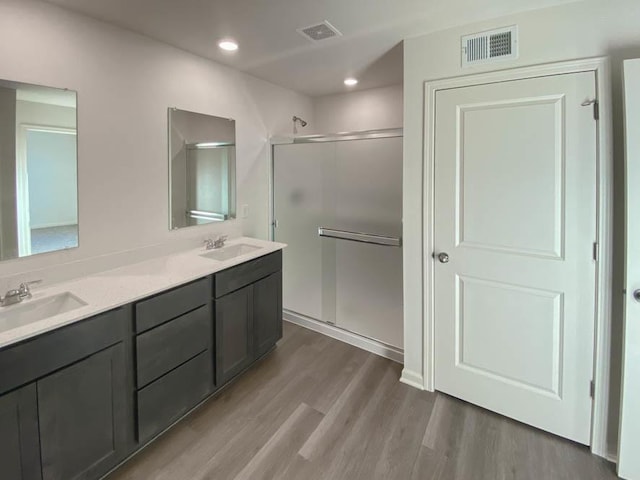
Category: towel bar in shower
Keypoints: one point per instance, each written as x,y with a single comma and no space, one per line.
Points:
360,237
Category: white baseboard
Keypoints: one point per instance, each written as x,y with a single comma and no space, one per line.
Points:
412,379
373,346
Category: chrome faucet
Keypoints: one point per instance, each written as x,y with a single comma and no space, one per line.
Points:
219,242
210,244
14,296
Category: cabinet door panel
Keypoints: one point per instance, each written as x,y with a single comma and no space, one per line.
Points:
20,447
83,420
267,312
234,341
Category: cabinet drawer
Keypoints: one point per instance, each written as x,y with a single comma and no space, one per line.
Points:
35,358
165,306
165,347
239,276
168,398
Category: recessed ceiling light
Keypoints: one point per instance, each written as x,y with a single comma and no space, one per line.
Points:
350,82
228,45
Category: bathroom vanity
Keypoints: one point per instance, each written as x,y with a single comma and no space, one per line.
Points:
78,399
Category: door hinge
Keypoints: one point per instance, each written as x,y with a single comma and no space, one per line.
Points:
592,389
596,107
274,224
596,251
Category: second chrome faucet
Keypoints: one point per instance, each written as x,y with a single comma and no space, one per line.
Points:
210,244
17,295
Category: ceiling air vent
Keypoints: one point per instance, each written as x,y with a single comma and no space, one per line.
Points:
319,32
488,47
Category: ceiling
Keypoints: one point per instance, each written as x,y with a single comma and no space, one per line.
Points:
271,48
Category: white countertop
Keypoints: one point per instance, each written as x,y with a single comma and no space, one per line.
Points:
113,288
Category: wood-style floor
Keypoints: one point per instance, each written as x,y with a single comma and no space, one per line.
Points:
316,408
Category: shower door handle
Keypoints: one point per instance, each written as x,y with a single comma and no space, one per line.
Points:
360,237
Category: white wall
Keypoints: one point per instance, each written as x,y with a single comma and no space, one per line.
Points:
372,109
125,83
576,30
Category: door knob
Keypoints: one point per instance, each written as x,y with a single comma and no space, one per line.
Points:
443,257
636,295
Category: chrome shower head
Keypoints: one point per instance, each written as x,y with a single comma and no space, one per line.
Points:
298,119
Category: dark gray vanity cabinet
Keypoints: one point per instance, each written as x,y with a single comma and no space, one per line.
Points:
82,415
174,355
19,442
234,342
77,401
66,405
248,308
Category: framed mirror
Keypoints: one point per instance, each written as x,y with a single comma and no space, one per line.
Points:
38,170
202,169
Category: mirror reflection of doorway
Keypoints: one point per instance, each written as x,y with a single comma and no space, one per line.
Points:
210,183
47,189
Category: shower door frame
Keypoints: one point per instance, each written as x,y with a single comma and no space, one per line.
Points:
334,331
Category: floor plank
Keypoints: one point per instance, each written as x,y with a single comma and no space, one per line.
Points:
272,459
318,409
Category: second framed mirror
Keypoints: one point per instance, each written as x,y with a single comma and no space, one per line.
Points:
202,169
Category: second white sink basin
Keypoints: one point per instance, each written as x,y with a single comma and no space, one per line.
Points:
229,252
30,311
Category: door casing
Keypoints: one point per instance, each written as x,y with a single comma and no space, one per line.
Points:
604,179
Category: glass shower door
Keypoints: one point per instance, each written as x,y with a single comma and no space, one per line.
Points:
347,188
299,207
368,277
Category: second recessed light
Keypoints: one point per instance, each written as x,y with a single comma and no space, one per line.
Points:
350,82
228,45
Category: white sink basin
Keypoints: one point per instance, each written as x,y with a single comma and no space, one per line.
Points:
229,252
30,311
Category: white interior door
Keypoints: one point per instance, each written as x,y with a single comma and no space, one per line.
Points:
629,450
515,201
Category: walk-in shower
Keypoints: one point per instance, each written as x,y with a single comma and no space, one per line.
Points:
337,203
